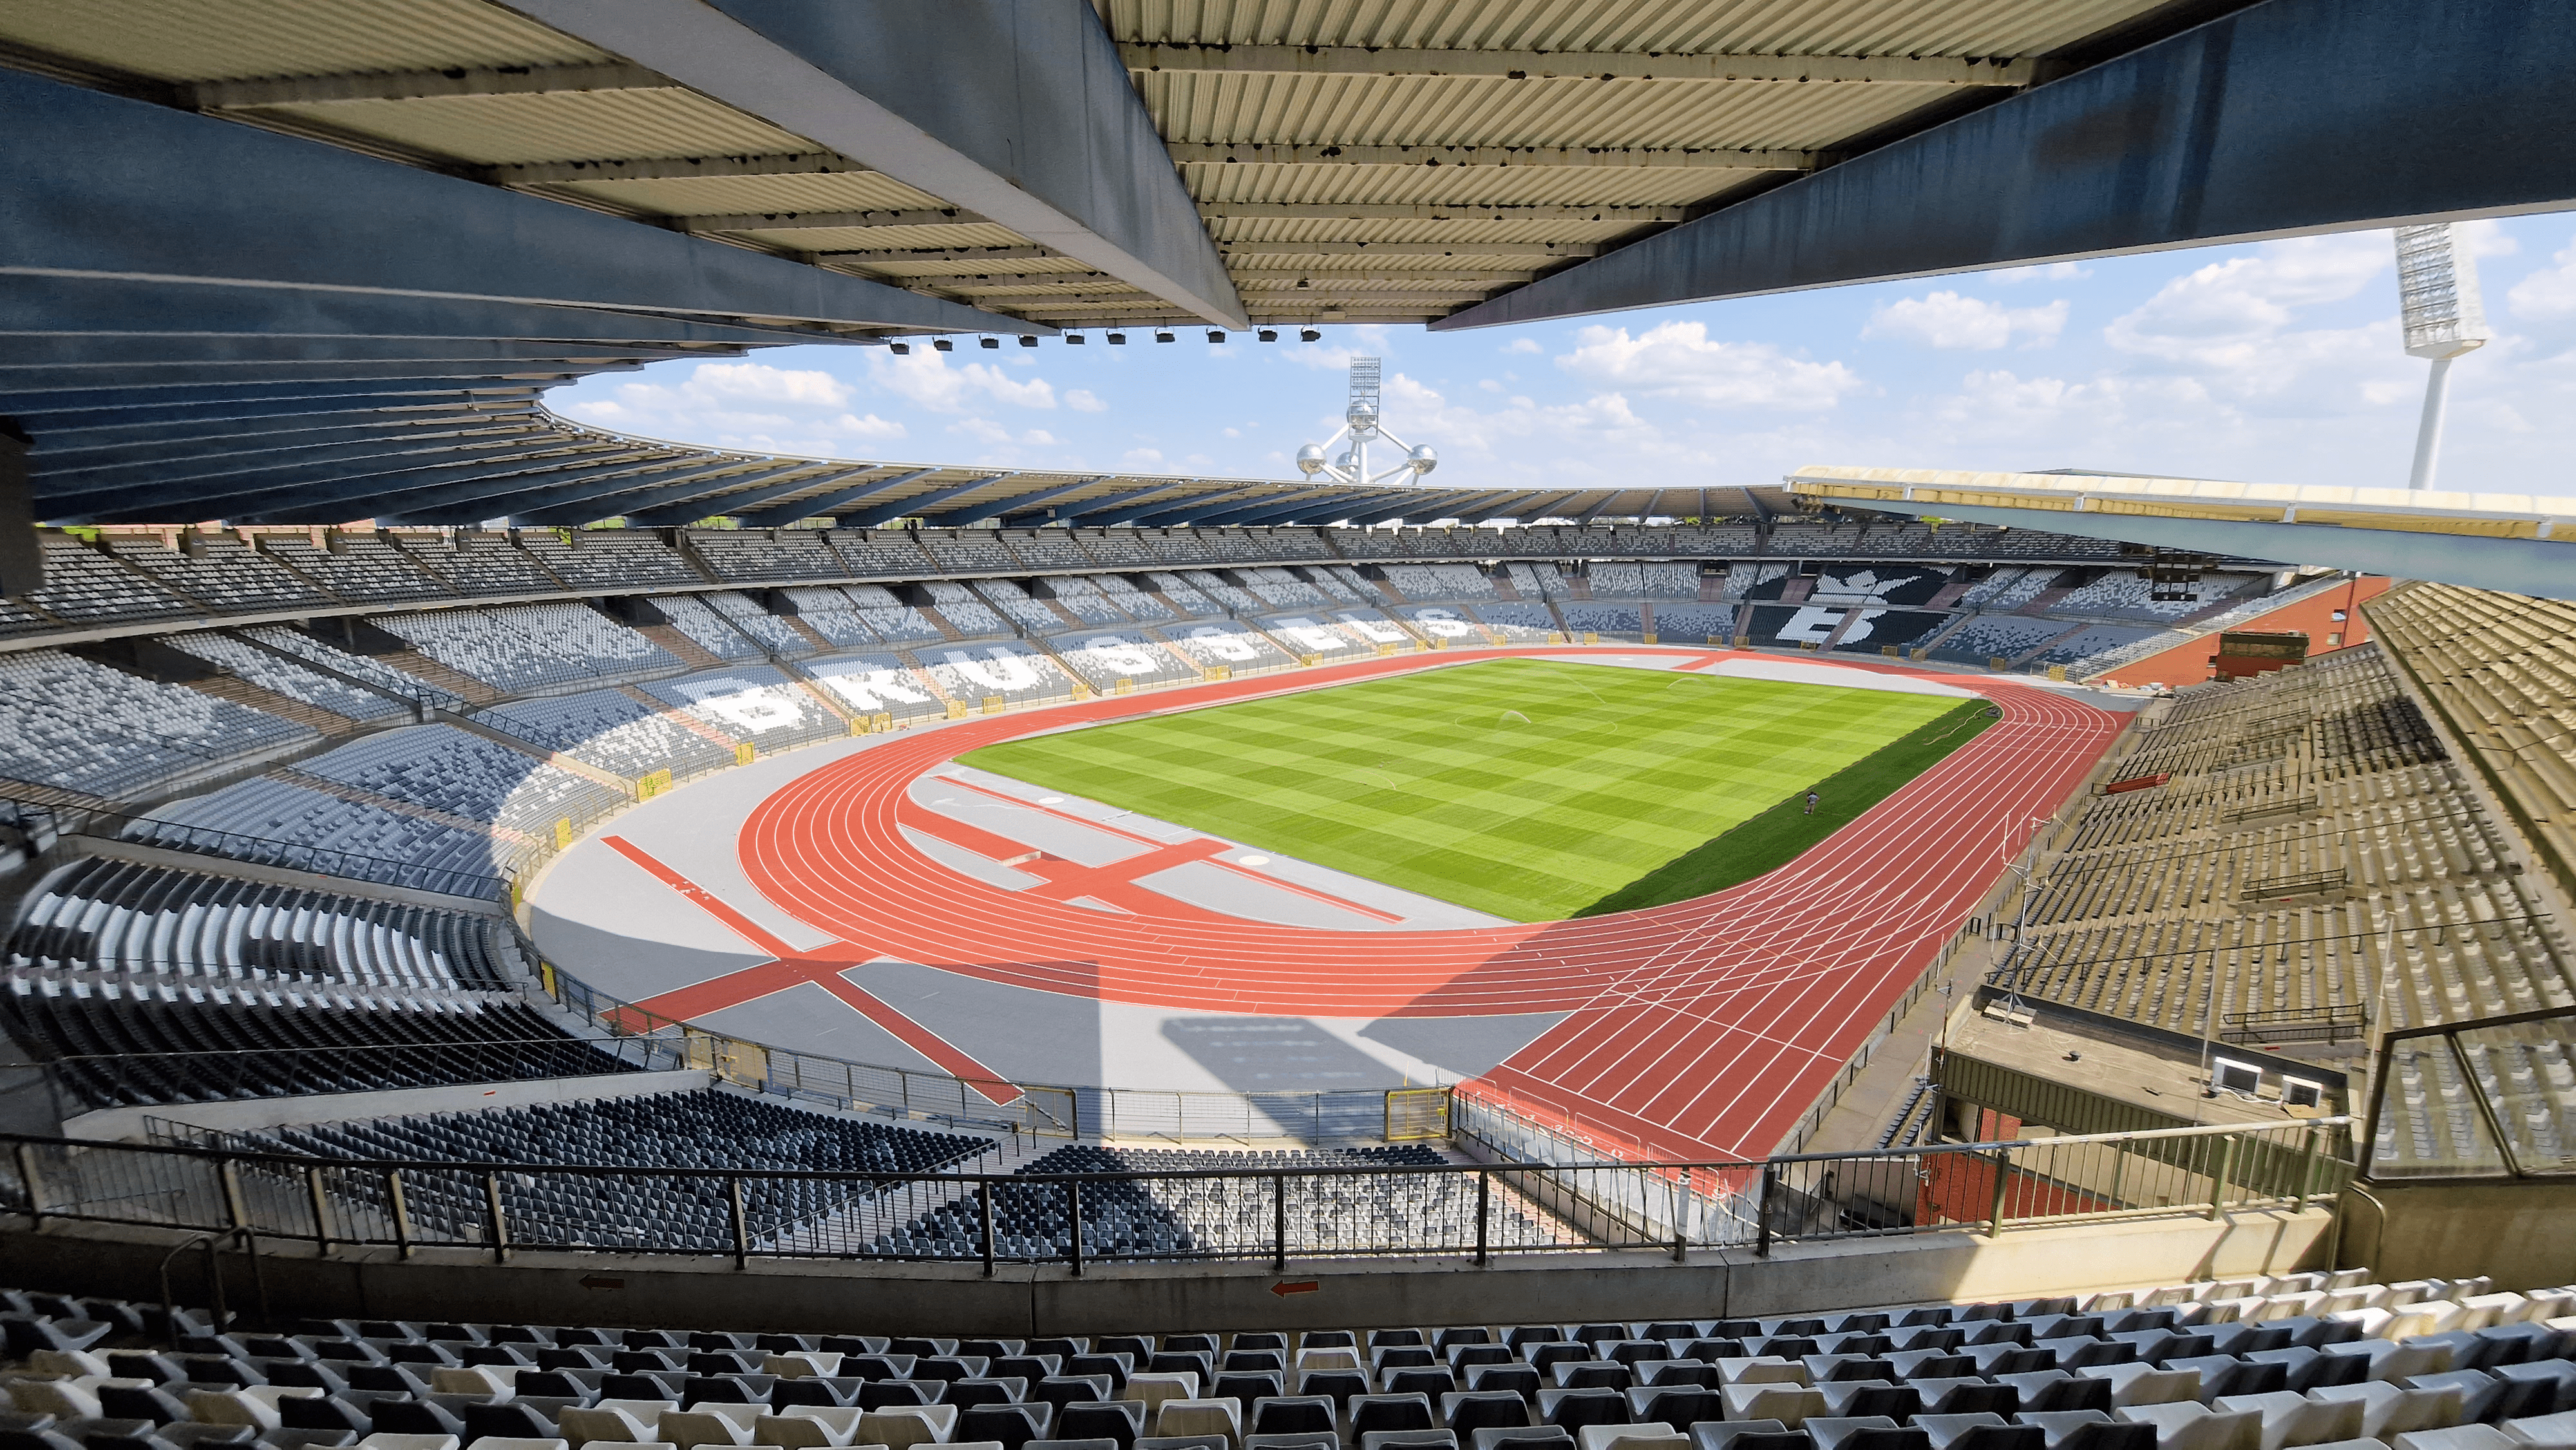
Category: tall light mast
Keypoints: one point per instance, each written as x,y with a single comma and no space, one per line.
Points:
2444,318
1362,425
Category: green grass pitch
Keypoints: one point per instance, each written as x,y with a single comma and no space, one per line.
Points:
1529,789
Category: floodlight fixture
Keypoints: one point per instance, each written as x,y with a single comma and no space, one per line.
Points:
1117,339
1308,334
900,349
943,344
2444,319
1269,334
1161,336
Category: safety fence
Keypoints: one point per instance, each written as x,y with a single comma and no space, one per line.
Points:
2493,1098
1277,1213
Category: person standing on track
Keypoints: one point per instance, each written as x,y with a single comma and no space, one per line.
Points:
1812,798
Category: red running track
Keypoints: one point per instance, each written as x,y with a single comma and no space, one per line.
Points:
1703,1028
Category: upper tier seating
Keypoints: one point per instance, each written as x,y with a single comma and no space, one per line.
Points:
357,667
609,558
1586,618
1045,548
1671,581
1614,580
2074,649
2127,593
286,677
1332,586
612,730
359,568
1115,548
706,628
1426,582
888,553
769,631
1279,588
443,769
968,551
71,724
759,556
86,587
1520,623
120,916
219,571
2309,829
704,1129
1176,546
1686,624
475,562
533,648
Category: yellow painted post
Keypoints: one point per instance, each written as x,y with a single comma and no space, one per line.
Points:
994,705
1997,662
1591,637
1126,687
1889,650
2057,673
743,753
1648,638
563,833
884,721
956,709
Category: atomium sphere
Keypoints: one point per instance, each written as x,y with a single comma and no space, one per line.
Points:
1347,461
1310,459
1362,416
1422,458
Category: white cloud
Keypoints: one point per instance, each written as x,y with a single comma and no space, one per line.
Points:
2236,315
1679,360
1142,458
1082,400
740,405
927,378
1523,344
2040,272
2548,294
1949,320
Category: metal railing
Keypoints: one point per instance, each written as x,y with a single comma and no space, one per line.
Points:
2511,1074
1474,1211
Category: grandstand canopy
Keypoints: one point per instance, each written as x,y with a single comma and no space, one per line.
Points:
2525,543
266,261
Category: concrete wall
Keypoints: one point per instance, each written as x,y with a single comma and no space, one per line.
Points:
246,1115
823,1296
2523,1234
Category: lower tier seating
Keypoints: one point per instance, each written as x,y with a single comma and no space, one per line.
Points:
705,1129
2259,1364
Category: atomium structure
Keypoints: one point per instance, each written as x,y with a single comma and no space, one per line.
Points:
1361,425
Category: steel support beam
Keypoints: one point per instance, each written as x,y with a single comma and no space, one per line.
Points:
1569,250
1525,65
196,199
825,505
535,80
1381,211
2287,118
22,556
737,504
1019,110
907,508
582,500
1070,514
1141,512
1023,504
123,307
798,221
1610,158
670,168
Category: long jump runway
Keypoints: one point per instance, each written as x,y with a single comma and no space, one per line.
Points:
1703,1028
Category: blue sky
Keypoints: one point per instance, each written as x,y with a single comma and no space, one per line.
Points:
2277,362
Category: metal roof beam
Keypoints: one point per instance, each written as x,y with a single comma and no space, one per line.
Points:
533,80
1024,503
795,221
1016,110
322,496
1148,510
2285,118
1515,506
932,254
1522,65
1378,211
133,354
1414,249
1598,509
906,508
201,200
283,460
122,306
1389,507
725,501
117,407
191,441
1615,158
1178,513
1275,511
670,168
823,506
579,500
193,377
1070,514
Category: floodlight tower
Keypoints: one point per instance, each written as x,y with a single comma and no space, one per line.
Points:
2444,318
1361,423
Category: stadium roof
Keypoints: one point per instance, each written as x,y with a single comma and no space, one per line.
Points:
303,261
2525,543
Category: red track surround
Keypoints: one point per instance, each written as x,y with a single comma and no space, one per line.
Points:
1706,1027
